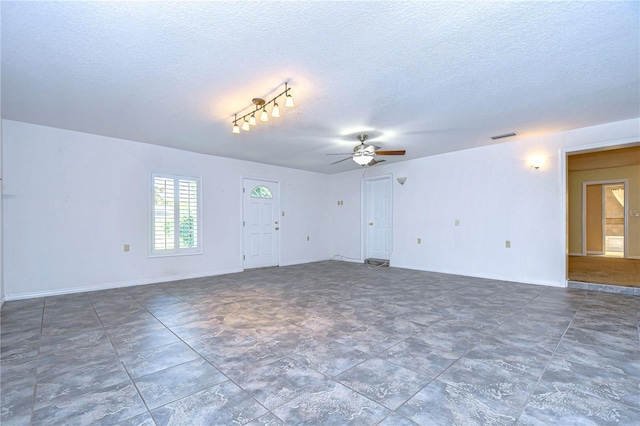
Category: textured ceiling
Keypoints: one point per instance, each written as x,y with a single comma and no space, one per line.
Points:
428,77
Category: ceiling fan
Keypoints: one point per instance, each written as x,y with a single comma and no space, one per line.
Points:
365,154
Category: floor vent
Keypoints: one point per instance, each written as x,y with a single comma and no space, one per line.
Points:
376,262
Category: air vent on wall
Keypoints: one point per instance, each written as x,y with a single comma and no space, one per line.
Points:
505,135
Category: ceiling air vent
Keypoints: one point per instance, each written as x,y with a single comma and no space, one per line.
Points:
505,135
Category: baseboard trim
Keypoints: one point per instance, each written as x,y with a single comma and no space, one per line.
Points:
576,254
547,283
114,285
341,258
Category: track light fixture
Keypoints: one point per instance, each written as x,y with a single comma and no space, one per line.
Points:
249,119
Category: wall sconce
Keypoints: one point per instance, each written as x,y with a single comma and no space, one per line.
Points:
537,162
401,180
249,119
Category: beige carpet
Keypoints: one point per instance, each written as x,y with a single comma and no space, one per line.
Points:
605,270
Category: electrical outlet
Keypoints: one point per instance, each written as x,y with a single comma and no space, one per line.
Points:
419,240
457,222
282,212
126,247
307,238
507,244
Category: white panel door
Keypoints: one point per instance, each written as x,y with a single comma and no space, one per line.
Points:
261,204
379,226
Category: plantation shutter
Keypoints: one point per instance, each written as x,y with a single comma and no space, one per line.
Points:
175,223
188,197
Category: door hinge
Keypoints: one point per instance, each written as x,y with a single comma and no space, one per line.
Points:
243,223
243,257
243,190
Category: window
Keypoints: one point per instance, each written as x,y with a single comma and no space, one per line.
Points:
175,223
261,192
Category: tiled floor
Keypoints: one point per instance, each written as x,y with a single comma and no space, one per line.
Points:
324,343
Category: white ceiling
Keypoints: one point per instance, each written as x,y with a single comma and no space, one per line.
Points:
428,77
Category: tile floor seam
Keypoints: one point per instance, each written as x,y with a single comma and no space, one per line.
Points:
35,380
229,379
124,367
553,353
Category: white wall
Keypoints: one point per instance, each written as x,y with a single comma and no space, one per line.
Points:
2,297
1,243
494,193
72,200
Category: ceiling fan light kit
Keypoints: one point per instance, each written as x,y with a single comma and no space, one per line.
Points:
362,159
365,155
249,119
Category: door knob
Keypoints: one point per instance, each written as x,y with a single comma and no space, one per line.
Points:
370,223
277,227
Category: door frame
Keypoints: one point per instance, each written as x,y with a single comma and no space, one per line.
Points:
564,193
604,183
365,189
242,219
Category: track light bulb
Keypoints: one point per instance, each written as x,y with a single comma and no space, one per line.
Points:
275,112
245,125
236,129
289,101
252,119
264,116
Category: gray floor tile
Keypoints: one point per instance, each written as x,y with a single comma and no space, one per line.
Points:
415,355
107,406
573,377
519,360
54,388
503,391
279,382
165,386
334,405
550,406
443,404
223,404
17,402
381,381
156,359
148,340
140,420
286,335
395,419
268,419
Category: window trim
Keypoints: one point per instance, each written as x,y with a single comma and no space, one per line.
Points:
151,225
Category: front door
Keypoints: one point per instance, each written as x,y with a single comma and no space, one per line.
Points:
261,203
378,222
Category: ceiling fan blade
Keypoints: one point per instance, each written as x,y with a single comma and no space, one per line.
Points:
342,153
374,162
340,161
397,152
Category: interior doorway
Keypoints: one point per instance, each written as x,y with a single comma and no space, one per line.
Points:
604,225
603,247
377,218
